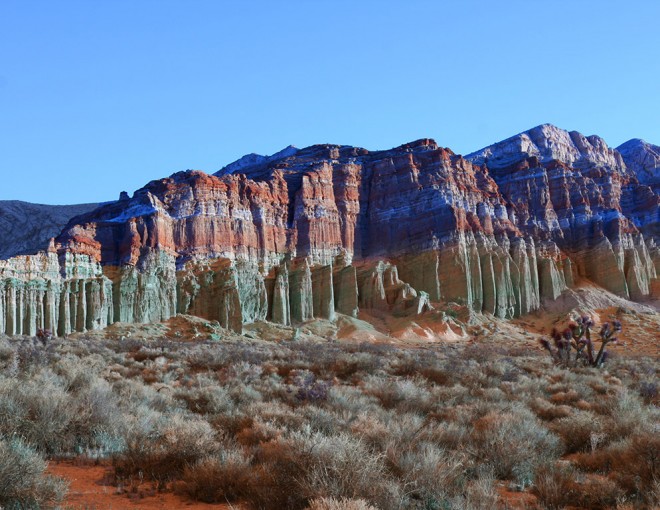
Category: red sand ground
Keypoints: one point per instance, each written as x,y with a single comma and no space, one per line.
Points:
90,488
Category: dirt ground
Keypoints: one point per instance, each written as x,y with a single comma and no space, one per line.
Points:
91,488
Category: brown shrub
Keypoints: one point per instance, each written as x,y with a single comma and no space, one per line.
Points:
555,486
513,443
547,411
564,397
162,454
221,478
633,463
291,471
339,504
636,468
577,430
431,473
597,492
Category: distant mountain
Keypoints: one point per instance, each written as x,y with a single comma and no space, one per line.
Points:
26,228
549,143
250,160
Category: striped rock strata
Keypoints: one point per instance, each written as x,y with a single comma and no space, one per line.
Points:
334,229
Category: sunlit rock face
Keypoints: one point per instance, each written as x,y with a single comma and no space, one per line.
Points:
643,159
309,233
591,201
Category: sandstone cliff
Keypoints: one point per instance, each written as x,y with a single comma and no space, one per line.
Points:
333,229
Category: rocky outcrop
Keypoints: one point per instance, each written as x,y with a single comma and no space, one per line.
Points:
346,290
643,159
309,233
581,195
210,290
62,296
301,297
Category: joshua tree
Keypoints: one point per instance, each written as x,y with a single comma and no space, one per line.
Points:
577,337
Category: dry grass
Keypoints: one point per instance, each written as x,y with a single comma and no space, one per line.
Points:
323,425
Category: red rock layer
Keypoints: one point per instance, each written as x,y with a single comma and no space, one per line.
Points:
323,201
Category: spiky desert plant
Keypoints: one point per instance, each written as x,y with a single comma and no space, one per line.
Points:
577,337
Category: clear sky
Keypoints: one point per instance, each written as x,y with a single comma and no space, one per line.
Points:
97,96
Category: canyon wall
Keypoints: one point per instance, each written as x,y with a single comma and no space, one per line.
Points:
334,229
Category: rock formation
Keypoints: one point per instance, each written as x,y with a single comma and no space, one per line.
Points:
333,229
577,193
643,159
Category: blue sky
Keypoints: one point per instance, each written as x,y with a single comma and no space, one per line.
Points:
97,97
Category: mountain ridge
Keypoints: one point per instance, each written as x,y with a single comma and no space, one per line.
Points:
332,229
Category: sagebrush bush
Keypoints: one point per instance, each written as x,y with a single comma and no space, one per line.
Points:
161,451
23,482
294,470
339,504
555,486
578,430
514,444
222,477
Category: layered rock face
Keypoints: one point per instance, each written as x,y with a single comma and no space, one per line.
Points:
642,204
64,294
578,194
644,160
332,229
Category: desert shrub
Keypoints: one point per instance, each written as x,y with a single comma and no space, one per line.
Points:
430,474
343,466
339,504
206,398
549,411
560,486
633,463
8,358
223,477
514,444
39,410
348,365
32,354
449,435
555,486
636,464
23,482
307,465
307,388
598,492
352,400
161,451
577,431
648,390
628,415
407,394
479,493
97,425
